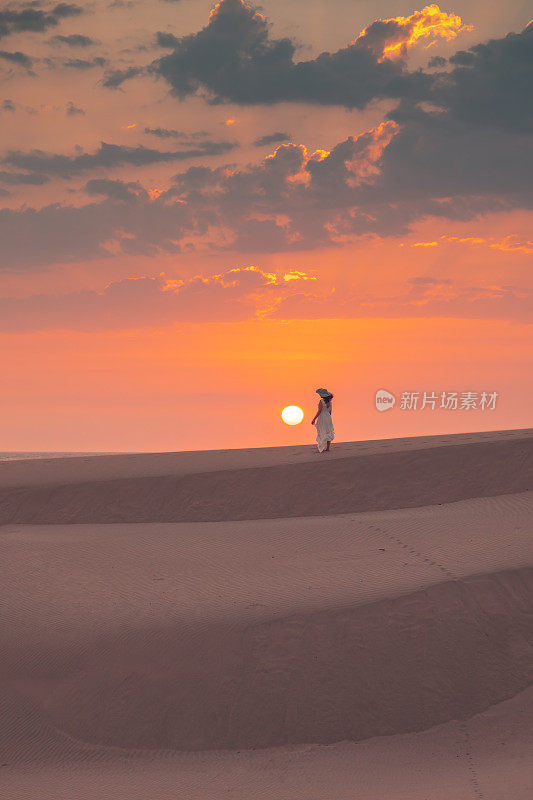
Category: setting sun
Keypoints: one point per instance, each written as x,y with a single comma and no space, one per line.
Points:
292,415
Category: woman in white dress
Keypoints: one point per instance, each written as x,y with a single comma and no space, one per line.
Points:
325,432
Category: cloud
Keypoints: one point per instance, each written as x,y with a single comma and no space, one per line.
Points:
75,63
117,190
490,83
509,244
12,106
72,110
272,138
172,133
235,59
74,40
108,156
59,233
32,19
437,61
463,152
416,165
122,4
423,297
512,244
249,292
438,156
166,39
391,38
22,178
114,78
235,294
17,57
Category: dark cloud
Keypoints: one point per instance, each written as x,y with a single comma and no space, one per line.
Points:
35,19
59,233
74,40
420,164
7,105
17,57
235,59
114,78
379,182
436,155
23,178
172,133
122,4
67,10
108,156
272,138
75,63
165,39
463,152
437,61
117,190
72,110
466,153
427,164
491,83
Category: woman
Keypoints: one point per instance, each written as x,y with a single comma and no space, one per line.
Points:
324,425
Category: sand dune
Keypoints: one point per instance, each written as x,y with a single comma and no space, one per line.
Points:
401,478
197,636
395,666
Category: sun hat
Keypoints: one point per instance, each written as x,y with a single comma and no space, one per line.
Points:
323,392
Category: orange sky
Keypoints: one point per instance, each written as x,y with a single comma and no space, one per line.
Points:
179,288
216,386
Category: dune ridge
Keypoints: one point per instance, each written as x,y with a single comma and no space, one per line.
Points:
399,479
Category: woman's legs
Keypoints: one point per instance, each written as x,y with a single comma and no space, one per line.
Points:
327,446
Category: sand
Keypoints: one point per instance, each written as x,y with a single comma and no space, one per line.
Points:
173,626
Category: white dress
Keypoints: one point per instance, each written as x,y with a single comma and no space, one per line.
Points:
324,426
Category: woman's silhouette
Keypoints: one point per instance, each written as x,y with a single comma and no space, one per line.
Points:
325,432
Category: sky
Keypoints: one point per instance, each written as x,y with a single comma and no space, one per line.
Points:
210,210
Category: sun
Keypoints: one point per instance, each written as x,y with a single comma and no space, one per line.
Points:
292,415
